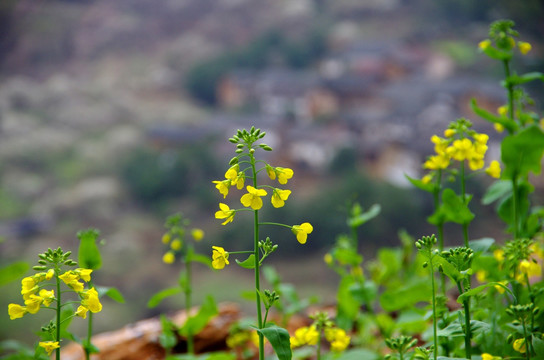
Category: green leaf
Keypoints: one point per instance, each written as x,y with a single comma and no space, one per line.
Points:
499,189
110,292
454,208
538,345
195,324
348,306
279,339
406,296
161,295
365,292
429,187
167,338
448,269
481,288
66,316
89,255
13,272
522,152
481,245
248,263
525,78
347,256
510,125
364,217
497,54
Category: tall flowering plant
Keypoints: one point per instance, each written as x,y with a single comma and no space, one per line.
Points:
245,166
47,290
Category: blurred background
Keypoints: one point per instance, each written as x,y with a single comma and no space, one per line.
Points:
115,114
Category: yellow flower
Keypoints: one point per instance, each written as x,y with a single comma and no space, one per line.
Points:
225,213
449,133
499,288
484,44
436,162
427,179
498,127
166,238
461,149
481,276
328,259
16,311
530,268
307,335
502,110
48,296
519,345
33,304
494,169
28,287
440,145
232,172
301,231
284,174
220,257
238,339
271,172
168,257
499,255
197,234
68,277
49,274
84,274
176,244
239,180
279,196
338,338
81,311
486,356
481,138
90,300
476,163
524,47
223,187
49,346
253,198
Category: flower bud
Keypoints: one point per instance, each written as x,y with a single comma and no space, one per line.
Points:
39,268
233,161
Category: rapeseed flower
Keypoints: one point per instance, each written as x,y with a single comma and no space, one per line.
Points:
84,274
494,169
90,300
301,231
281,173
49,346
166,238
49,274
461,149
519,345
47,296
168,257
307,335
33,303
253,198
220,257
449,133
436,162
81,311
279,196
223,187
338,338
524,47
16,311
176,245
484,44
225,213
197,234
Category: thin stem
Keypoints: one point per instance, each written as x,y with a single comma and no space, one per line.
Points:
440,227
274,223
188,304
515,204
318,353
435,330
463,195
87,347
57,352
468,332
257,272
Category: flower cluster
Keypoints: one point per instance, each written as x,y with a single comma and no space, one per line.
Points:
460,143
242,167
310,335
175,236
502,42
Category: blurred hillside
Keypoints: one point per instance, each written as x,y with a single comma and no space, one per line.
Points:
114,114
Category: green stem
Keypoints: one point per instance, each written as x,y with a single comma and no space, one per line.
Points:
257,272
57,352
440,227
515,204
87,347
318,353
463,195
510,89
188,304
468,332
435,330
